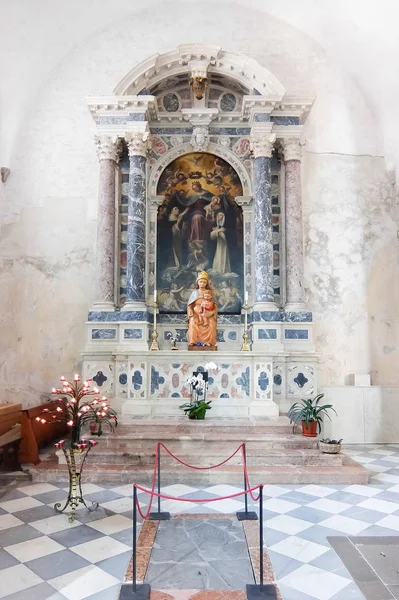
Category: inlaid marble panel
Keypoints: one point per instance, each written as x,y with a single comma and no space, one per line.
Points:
263,380
278,380
121,383
103,375
267,334
137,380
113,317
103,334
133,334
301,380
296,334
170,380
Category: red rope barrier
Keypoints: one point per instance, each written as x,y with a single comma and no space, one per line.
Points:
153,494
152,487
199,468
254,498
167,497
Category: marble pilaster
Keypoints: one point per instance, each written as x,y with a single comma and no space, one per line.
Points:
136,235
293,224
108,149
262,147
247,206
153,206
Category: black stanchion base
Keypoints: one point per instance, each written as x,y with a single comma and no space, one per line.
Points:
159,516
142,592
264,592
247,516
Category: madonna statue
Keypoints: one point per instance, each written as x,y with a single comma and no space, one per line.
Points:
202,312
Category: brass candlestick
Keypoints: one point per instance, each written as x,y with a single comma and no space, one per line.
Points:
154,343
246,346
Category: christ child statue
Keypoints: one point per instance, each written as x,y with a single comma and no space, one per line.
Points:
206,306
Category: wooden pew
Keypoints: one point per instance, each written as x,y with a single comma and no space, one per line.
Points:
35,435
10,436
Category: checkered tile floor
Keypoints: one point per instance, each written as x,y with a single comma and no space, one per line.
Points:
43,556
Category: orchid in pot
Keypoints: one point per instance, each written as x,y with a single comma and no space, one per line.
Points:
198,382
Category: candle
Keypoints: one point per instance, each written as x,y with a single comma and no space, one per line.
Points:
246,297
155,296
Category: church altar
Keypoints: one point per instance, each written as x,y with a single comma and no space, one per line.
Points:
200,171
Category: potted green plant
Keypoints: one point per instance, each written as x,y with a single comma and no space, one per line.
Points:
198,405
310,412
196,409
328,446
97,418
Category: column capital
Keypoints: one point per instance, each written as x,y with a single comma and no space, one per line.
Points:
137,142
292,148
108,148
245,202
262,143
156,201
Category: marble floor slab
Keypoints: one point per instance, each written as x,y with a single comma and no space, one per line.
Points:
373,563
209,554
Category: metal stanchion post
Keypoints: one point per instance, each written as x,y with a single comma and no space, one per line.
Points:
159,516
261,538
246,515
261,591
134,540
135,591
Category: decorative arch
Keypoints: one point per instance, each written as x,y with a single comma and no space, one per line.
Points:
159,167
239,67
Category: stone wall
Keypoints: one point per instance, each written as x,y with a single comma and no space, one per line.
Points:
48,206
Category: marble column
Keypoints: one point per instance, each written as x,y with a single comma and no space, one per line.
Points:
108,154
293,224
262,147
136,235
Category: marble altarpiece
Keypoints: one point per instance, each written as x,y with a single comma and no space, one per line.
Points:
159,146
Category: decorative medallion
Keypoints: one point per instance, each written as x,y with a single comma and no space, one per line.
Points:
200,138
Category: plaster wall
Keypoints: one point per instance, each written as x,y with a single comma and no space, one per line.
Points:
366,415
48,207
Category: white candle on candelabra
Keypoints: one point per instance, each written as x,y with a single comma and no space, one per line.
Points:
246,297
155,296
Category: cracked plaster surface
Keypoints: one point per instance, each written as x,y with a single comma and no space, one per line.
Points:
351,266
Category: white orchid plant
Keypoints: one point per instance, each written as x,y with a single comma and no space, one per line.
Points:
198,385
198,405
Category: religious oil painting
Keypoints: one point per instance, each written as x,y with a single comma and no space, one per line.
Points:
200,228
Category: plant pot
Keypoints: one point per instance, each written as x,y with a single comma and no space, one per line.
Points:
199,416
329,448
94,428
311,430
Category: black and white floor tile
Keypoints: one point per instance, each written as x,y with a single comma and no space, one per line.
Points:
43,556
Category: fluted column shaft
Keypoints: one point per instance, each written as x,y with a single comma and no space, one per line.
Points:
136,234
262,146
108,154
293,223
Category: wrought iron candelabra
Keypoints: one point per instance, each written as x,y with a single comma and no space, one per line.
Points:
246,346
75,468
